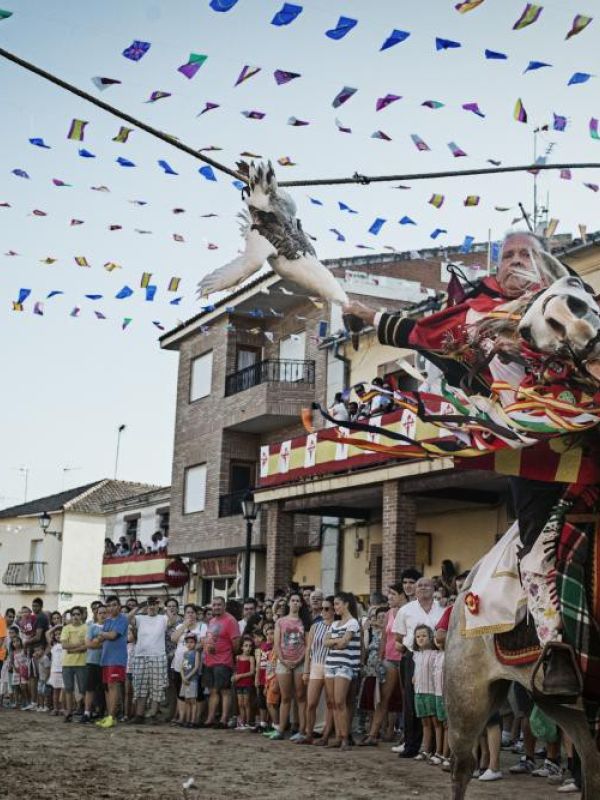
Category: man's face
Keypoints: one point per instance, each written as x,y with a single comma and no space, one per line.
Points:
36,606
114,607
408,584
424,589
218,606
316,603
518,271
131,604
10,617
249,609
153,607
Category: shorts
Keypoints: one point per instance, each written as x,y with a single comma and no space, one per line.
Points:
281,669
440,708
391,664
261,699
317,671
94,678
425,705
273,693
113,674
340,671
189,691
71,675
244,691
41,688
56,680
150,678
217,677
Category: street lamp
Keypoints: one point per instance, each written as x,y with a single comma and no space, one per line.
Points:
249,512
44,520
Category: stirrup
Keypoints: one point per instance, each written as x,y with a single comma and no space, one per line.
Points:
562,681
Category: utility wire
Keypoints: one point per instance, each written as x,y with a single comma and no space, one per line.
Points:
357,178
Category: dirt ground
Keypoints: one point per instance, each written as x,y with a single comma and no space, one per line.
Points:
40,756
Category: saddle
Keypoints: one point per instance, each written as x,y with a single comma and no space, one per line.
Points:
520,646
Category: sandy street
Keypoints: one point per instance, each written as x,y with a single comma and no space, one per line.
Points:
40,756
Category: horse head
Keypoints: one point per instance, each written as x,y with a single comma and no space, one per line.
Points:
564,320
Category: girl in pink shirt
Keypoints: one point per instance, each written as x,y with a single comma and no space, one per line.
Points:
290,645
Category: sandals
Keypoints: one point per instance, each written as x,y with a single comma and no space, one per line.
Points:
368,741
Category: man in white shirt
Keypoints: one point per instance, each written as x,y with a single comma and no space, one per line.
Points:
149,668
422,611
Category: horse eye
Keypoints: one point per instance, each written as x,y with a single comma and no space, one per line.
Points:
557,327
573,281
576,306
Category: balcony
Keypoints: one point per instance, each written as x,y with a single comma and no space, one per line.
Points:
268,395
230,505
28,574
135,571
270,371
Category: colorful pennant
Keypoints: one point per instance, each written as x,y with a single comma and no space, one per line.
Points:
343,96
384,102
519,114
77,130
194,62
281,76
579,24
395,37
136,50
343,27
286,15
531,14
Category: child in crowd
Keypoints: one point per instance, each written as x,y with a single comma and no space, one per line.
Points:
261,654
243,680
56,662
442,748
42,669
272,693
190,668
424,659
6,687
19,670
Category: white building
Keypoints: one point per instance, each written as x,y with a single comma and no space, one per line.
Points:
62,564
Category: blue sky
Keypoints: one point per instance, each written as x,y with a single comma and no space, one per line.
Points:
69,382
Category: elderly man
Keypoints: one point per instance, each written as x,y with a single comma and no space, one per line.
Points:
316,605
422,611
524,268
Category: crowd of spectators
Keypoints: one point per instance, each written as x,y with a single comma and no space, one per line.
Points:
316,670
123,547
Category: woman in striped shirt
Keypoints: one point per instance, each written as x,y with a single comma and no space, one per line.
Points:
342,663
314,672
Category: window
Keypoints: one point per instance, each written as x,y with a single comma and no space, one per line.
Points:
162,521
201,376
291,357
194,490
131,530
36,551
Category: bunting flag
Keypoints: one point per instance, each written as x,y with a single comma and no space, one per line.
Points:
48,260
209,149
125,292
395,37
40,143
377,226
494,55
125,323
533,65
54,293
222,5
579,23
286,161
38,213
123,134
343,27
20,173
159,325
177,237
77,130
136,50
341,127
150,293
93,297
519,114
85,153
468,5
17,306
406,221
594,128
58,182
315,202
297,123
418,142
343,96
110,266
565,174
434,104
471,200
558,123
104,83
345,207
167,168
157,95
207,172
23,295
474,108
592,186
208,107
4,14
339,236
551,228
446,44
437,200
99,315
530,15
194,62
281,76
437,232
381,135
81,261
75,312
456,151
384,102
467,244
579,77
286,14
124,162
38,308
247,73
254,114
145,280
76,222
173,284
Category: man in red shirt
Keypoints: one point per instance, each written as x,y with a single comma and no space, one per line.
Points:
443,338
219,646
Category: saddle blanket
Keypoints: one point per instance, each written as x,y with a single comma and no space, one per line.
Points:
494,598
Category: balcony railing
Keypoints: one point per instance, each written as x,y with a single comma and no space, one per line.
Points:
270,371
231,504
25,573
